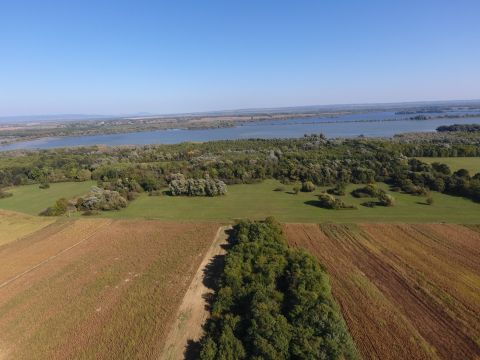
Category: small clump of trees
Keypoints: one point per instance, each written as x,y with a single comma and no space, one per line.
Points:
307,186
372,191
180,185
328,201
59,208
273,302
101,199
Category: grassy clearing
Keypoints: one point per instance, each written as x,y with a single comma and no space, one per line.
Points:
31,200
256,201
259,200
15,225
472,164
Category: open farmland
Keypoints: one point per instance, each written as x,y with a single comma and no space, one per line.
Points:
96,288
406,291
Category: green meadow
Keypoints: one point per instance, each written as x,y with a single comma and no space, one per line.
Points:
30,199
256,201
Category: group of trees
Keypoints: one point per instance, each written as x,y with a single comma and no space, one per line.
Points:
274,303
101,199
373,191
312,160
328,201
422,177
179,185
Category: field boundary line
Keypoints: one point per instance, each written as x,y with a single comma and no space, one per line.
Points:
53,256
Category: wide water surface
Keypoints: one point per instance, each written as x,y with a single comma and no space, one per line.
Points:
376,124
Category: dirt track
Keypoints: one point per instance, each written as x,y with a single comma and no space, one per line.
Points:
193,311
406,291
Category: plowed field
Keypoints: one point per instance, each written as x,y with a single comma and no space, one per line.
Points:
406,291
96,288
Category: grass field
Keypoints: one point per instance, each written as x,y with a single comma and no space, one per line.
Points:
472,164
406,291
96,288
31,200
256,201
15,225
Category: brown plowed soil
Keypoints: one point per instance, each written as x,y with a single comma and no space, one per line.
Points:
406,291
96,289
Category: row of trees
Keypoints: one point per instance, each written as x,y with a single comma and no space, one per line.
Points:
460,127
273,303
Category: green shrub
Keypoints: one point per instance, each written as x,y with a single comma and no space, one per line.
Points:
4,194
308,186
338,190
328,201
59,208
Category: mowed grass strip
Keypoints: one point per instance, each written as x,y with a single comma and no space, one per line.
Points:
472,164
30,199
112,297
417,281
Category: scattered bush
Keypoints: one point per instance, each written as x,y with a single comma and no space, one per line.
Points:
338,190
372,191
280,188
44,186
59,208
4,194
366,191
328,201
385,199
429,200
308,186
296,190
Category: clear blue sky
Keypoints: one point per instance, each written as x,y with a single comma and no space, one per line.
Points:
119,56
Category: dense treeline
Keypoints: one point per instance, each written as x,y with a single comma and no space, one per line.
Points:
421,177
273,303
312,160
460,127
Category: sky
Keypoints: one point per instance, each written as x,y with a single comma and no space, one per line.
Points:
128,57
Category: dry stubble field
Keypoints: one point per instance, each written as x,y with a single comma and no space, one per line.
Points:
406,291
96,288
